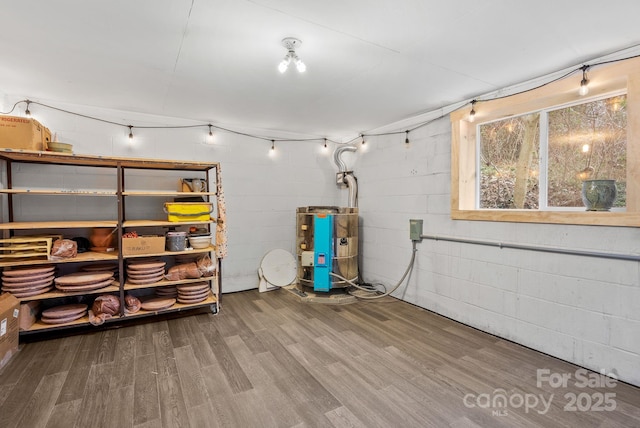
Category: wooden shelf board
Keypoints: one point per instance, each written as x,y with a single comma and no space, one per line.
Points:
70,192
173,253
177,307
165,193
39,326
31,156
162,223
164,283
89,256
57,294
21,225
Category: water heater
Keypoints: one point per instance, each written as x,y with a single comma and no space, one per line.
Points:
327,242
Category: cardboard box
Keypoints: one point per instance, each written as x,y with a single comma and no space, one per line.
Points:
142,245
23,133
9,313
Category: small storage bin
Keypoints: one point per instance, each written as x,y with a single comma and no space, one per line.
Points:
188,211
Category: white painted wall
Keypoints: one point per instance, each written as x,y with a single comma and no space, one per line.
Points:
580,309
262,192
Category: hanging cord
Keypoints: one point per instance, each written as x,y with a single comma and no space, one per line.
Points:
385,294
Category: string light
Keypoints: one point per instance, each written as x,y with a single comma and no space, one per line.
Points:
210,137
324,147
472,113
583,88
273,148
584,83
406,141
130,133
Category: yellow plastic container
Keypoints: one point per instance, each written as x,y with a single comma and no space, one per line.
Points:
188,211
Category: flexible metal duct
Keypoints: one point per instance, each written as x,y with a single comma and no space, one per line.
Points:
348,178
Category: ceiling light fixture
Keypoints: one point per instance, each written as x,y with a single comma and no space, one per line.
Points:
584,83
130,132
290,45
27,112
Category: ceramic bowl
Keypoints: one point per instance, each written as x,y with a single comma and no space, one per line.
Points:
56,146
200,241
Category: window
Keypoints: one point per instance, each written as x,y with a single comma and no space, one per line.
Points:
524,157
586,140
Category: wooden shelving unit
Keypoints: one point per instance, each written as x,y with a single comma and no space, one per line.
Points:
120,194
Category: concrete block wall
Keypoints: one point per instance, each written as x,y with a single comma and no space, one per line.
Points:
262,191
580,309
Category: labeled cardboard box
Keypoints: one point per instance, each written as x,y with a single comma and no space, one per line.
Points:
23,133
9,313
142,245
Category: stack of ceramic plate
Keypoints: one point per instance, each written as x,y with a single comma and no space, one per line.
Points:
168,291
31,281
157,303
101,267
56,146
84,281
64,313
145,272
193,293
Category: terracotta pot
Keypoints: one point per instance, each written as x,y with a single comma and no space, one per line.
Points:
102,237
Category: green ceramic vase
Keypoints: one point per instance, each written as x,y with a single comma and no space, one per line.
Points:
599,195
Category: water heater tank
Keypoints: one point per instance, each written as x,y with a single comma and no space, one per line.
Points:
327,242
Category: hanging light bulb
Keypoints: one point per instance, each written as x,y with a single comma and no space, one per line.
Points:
472,113
130,133
284,64
210,136
273,148
584,83
300,66
27,112
363,142
406,141
324,147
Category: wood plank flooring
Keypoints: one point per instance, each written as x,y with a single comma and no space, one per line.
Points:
269,360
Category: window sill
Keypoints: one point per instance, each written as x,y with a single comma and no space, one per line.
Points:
595,218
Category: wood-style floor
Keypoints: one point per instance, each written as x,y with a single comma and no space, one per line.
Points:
269,360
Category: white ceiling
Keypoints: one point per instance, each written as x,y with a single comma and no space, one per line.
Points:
369,62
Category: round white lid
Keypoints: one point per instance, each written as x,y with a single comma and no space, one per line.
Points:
279,267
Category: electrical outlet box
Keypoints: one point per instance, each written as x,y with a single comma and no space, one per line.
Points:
415,229
306,258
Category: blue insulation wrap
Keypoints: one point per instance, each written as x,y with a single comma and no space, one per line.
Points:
323,252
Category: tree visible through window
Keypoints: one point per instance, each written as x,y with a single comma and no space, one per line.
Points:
587,141
582,141
509,162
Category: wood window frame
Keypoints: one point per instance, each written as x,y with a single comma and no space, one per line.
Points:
603,79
